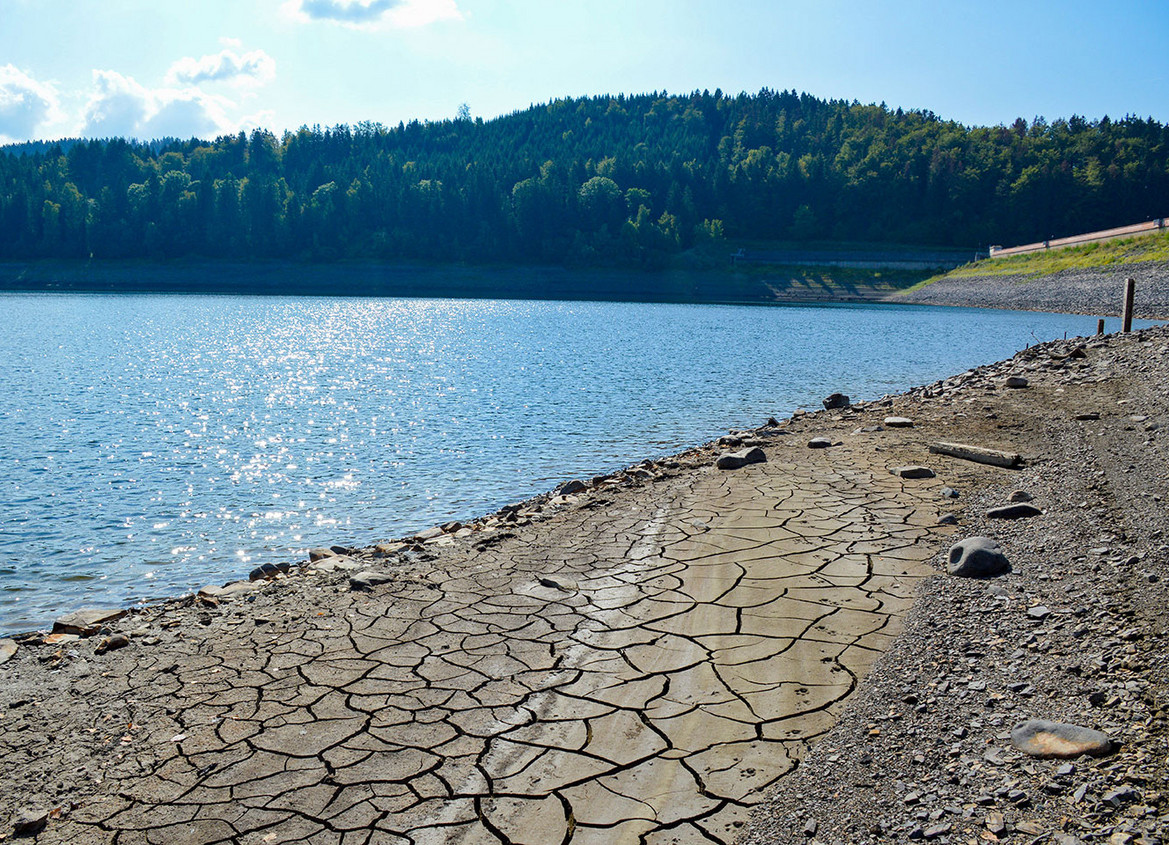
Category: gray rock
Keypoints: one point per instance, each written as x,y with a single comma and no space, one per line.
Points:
1015,382
227,591
1019,496
834,401
730,441
7,650
947,519
1021,510
819,443
29,821
568,488
319,554
368,579
734,460
898,422
949,493
1039,611
86,623
913,472
113,643
268,571
335,563
1041,738
1088,416
977,557
429,533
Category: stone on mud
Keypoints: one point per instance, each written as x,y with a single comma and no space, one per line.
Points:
819,443
977,557
1019,510
86,623
734,460
913,472
1041,738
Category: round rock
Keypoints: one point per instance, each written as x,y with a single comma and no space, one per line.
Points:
977,557
1041,738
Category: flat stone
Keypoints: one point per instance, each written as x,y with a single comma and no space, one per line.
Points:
319,554
1015,382
1019,496
570,487
834,401
898,422
86,623
819,443
429,533
1020,510
338,563
29,821
1041,738
913,472
947,519
227,591
1039,611
7,650
368,579
734,460
1088,416
977,557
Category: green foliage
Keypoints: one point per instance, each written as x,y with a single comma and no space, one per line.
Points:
1153,247
625,180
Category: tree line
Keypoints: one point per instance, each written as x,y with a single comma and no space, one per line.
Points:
624,180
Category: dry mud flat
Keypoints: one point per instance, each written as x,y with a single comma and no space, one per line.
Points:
654,655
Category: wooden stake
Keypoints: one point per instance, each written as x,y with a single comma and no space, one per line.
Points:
1100,326
1130,288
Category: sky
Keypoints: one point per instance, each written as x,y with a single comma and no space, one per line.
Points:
203,68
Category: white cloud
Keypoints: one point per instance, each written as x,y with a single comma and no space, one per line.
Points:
370,14
120,106
254,67
25,105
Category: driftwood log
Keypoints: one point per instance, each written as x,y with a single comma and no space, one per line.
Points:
978,454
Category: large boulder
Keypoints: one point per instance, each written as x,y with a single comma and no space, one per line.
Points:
978,557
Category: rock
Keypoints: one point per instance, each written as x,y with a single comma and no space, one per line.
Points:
29,821
1017,511
7,650
113,643
1088,416
947,519
1041,738
268,571
568,488
1015,382
338,562
558,584
977,557
1019,496
1039,611
86,623
949,493
319,554
734,460
834,401
429,533
450,527
898,422
913,472
819,443
368,579
772,422
228,591
730,441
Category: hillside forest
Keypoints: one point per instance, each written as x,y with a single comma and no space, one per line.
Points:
610,180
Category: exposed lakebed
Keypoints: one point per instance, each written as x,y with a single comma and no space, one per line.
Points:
150,444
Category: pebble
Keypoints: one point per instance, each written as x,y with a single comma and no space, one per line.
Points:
977,557
1041,738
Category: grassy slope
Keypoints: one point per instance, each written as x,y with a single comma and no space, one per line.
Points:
1104,254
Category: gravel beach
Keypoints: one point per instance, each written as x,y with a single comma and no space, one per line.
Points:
768,652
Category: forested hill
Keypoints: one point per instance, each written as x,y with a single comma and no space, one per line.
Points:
625,180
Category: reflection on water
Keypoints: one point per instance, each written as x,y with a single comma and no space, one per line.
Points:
152,444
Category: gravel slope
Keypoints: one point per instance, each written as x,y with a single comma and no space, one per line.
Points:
1098,292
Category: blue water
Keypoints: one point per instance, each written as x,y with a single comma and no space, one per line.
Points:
153,444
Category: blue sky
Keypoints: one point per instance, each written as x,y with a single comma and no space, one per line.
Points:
178,67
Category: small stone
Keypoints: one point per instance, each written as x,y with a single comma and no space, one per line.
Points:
86,623
1016,511
1019,496
569,488
1039,611
947,519
913,472
834,401
1030,828
29,821
319,554
949,493
898,422
429,533
810,828
977,557
7,650
558,584
1015,382
1089,416
228,591
268,571
819,443
734,460
1041,738
937,830
368,579
113,643
995,823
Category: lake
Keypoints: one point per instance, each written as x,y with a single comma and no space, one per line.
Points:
153,444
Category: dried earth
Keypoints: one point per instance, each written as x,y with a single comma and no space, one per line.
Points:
674,653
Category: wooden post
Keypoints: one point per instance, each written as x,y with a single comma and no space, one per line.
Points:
1130,287
1100,326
